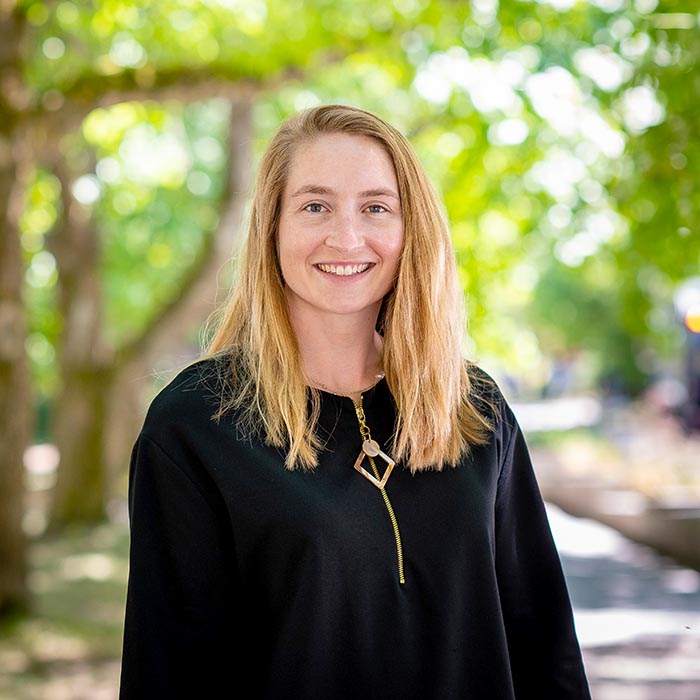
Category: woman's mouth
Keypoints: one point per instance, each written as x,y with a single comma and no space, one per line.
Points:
343,270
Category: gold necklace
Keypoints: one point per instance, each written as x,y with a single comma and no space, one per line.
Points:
370,449
320,385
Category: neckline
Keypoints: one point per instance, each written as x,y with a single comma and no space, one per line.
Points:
364,394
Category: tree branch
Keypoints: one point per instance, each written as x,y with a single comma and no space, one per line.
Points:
73,105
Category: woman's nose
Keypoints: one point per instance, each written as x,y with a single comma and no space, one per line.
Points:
344,233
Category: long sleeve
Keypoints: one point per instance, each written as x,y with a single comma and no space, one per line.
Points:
544,652
182,584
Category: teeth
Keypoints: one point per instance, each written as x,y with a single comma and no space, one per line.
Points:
344,270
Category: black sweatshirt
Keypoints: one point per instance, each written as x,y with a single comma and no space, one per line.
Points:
248,580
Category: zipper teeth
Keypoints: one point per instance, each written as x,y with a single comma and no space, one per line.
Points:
394,522
387,502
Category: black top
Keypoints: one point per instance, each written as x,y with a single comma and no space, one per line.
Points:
248,580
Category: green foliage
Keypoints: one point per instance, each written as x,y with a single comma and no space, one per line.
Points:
144,43
560,134
161,171
42,207
575,314
658,191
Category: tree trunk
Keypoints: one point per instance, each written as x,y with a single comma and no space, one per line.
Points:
79,422
16,416
78,413
103,393
15,400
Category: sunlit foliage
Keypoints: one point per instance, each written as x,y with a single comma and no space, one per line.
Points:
561,134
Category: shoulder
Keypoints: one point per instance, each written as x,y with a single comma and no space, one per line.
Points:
488,398
177,446
189,400
486,394
483,386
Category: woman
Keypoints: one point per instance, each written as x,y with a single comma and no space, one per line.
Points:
332,502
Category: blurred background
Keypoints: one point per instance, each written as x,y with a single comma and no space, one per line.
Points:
563,138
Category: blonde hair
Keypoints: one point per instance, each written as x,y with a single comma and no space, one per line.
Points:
433,386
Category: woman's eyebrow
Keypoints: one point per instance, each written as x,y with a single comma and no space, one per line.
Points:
379,192
320,189
313,189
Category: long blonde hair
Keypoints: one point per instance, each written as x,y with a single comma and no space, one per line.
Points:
422,319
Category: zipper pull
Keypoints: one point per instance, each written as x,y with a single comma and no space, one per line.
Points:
370,448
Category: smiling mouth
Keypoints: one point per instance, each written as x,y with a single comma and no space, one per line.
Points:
344,270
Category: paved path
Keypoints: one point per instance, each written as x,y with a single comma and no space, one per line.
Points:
637,614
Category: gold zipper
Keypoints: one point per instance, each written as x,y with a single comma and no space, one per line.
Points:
370,449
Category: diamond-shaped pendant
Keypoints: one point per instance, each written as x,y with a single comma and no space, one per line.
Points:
371,449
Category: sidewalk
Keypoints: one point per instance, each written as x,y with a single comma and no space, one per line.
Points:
629,465
637,614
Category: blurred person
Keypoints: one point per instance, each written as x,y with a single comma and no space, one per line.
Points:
691,410
332,502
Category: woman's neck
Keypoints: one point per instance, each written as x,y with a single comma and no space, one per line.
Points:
340,353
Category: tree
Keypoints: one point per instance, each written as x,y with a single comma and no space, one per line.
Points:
97,379
117,53
657,189
15,388
506,102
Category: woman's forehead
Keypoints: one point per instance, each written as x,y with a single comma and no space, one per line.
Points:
340,160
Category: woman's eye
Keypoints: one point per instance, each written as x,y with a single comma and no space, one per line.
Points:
314,208
376,208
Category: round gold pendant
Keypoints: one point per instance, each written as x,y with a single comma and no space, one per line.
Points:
370,448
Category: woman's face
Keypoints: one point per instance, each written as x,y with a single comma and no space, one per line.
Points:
341,228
